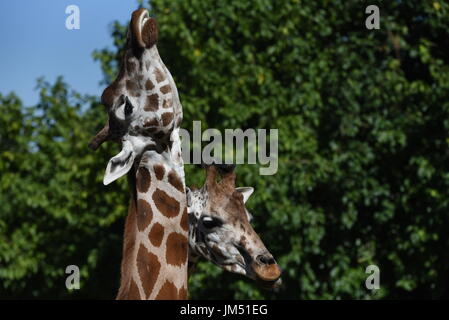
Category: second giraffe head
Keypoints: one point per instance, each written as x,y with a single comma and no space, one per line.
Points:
221,231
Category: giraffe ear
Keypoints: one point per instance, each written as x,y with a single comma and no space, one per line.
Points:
120,164
246,192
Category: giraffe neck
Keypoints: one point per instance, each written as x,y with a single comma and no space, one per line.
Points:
155,251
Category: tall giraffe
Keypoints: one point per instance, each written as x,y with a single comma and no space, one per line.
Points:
144,114
221,231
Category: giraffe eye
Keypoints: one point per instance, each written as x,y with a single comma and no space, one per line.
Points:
210,222
128,107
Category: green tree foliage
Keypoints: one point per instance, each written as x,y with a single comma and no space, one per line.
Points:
55,211
363,153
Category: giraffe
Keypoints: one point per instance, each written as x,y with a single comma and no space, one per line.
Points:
221,231
144,115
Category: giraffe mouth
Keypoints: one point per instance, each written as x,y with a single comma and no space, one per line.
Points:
144,29
267,274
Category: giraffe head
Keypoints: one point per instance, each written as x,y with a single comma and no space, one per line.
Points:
142,103
221,231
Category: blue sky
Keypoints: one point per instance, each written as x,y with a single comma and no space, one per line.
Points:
35,42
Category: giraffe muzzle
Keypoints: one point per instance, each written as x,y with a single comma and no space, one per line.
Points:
270,272
267,271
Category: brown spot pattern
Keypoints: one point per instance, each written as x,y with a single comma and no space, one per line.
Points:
167,118
130,65
176,249
185,220
167,103
144,214
150,122
182,294
133,293
152,103
156,234
168,292
148,267
175,181
132,88
159,75
149,85
165,89
159,171
167,205
143,180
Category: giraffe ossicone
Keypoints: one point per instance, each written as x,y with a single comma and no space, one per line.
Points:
144,115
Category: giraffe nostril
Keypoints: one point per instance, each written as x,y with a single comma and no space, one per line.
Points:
265,259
